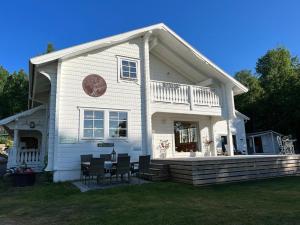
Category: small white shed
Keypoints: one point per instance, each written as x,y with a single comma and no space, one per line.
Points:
264,142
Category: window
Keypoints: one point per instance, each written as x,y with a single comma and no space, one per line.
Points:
118,124
93,124
128,68
186,136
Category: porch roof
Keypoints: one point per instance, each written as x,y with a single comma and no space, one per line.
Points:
21,114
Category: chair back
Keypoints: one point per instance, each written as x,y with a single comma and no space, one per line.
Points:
122,154
123,165
106,157
86,158
97,167
144,163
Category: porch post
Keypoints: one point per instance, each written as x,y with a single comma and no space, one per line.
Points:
212,137
148,119
14,155
230,116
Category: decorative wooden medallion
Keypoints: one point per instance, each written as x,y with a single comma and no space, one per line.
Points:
94,85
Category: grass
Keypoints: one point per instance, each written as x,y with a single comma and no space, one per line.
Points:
275,201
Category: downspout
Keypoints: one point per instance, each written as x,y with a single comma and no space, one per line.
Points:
148,120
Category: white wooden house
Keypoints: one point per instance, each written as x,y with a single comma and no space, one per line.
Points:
147,91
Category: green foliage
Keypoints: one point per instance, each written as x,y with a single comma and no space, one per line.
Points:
50,48
14,93
273,100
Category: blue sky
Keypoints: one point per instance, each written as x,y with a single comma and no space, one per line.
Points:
232,33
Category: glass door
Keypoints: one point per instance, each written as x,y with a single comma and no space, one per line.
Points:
186,136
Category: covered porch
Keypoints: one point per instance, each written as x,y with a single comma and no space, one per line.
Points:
28,130
189,136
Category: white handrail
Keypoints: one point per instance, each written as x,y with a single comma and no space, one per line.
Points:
184,94
28,156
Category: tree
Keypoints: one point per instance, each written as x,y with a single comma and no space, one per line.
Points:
250,100
50,48
15,94
273,98
3,77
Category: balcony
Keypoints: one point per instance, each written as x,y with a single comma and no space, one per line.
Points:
184,97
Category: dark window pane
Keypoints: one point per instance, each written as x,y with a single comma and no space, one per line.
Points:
113,133
132,64
88,124
125,68
125,74
132,69
125,63
98,115
98,123
113,115
123,124
88,114
123,133
122,115
88,133
113,124
98,133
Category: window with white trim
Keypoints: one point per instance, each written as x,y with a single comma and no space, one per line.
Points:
118,127
93,124
128,68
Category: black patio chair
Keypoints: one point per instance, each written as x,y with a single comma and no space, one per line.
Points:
122,168
96,169
84,161
144,166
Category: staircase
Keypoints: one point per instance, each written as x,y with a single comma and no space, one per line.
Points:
157,172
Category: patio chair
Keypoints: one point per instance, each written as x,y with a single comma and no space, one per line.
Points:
96,169
122,167
84,159
144,166
122,154
107,157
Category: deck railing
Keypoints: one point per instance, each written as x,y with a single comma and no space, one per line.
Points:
28,156
184,94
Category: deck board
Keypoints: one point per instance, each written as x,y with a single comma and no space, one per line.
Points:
210,170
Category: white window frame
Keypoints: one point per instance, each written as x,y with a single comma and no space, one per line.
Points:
124,79
82,110
105,123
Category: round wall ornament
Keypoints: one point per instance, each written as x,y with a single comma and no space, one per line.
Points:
94,85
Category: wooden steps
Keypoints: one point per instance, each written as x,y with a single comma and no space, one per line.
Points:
157,172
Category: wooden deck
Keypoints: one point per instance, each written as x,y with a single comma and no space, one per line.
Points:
211,170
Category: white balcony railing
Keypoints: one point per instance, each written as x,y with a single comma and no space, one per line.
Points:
184,94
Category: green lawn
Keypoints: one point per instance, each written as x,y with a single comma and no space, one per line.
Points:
275,201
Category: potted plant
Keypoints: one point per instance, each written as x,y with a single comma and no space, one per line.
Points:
22,176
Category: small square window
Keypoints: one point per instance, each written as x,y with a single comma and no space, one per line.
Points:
128,69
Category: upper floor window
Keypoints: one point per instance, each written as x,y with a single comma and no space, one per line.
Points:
93,126
128,68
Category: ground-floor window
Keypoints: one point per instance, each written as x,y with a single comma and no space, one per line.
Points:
186,136
224,143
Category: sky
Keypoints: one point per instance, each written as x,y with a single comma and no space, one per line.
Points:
231,33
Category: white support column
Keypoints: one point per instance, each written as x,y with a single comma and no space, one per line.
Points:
148,119
13,161
191,97
213,148
230,116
